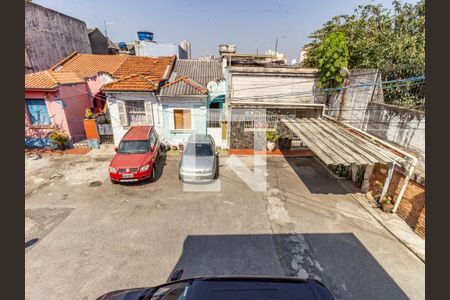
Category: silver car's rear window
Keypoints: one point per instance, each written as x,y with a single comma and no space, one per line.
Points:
198,149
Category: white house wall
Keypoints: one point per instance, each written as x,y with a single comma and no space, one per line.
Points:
118,129
272,88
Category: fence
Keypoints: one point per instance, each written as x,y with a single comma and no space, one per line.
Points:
106,134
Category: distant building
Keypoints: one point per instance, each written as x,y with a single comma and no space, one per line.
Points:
277,57
232,57
100,44
146,46
303,54
207,57
187,47
50,36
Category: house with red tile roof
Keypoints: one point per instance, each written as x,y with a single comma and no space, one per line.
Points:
59,97
188,106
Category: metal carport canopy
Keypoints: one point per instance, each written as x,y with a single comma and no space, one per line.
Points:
336,145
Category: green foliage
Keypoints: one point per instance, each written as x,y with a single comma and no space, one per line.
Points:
272,136
59,139
376,36
339,170
386,200
332,57
379,38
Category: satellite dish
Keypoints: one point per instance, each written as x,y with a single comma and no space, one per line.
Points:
211,86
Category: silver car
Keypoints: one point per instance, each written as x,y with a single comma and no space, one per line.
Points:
200,162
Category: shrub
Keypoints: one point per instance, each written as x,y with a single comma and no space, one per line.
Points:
272,136
339,170
59,139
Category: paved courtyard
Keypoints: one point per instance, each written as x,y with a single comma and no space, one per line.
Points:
85,236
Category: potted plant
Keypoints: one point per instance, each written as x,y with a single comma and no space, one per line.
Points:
272,140
386,204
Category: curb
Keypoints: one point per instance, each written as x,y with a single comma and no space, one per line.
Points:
379,220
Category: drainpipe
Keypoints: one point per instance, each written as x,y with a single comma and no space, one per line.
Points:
412,159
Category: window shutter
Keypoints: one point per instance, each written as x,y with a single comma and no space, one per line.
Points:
178,118
149,112
187,119
122,113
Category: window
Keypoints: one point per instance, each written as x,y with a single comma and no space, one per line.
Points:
178,291
153,139
38,112
182,118
136,112
133,147
197,149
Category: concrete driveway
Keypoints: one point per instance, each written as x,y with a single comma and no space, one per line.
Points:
87,236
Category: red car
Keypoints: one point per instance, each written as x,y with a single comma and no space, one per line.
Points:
136,155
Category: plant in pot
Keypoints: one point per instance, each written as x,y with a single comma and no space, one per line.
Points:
272,140
378,189
88,114
386,204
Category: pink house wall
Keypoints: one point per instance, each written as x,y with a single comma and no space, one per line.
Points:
68,119
95,83
76,100
55,112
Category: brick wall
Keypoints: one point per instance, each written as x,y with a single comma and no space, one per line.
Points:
412,206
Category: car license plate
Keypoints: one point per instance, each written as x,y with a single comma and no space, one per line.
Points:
129,180
127,175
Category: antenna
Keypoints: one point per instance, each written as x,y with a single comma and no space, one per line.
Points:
106,31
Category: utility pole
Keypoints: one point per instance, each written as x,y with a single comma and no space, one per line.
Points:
106,31
276,46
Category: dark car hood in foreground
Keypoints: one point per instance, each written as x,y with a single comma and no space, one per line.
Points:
240,287
131,294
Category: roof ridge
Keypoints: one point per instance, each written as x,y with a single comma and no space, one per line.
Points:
120,79
194,84
175,81
189,81
64,60
52,78
119,65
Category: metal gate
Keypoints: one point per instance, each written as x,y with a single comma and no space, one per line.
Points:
76,129
106,133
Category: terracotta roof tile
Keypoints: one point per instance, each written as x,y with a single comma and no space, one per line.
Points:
88,65
156,66
136,82
50,80
133,72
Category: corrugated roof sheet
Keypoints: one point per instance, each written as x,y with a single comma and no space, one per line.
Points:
50,80
196,74
335,145
183,86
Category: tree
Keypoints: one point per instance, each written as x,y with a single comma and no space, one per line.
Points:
333,56
376,36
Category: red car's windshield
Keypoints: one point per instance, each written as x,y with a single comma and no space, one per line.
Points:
133,147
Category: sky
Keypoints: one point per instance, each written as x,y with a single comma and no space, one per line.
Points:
251,25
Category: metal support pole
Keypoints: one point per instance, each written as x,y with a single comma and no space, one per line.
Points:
387,181
403,189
